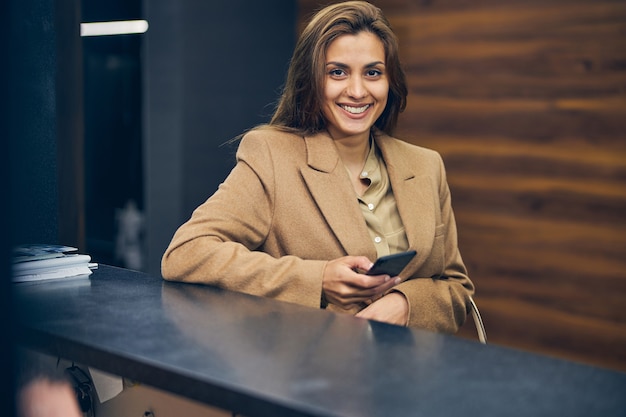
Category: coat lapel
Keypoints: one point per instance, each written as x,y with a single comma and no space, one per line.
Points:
414,194
330,187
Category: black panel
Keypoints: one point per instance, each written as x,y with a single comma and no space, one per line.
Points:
32,121
113,126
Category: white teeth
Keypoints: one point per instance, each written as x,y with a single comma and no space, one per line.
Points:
355,110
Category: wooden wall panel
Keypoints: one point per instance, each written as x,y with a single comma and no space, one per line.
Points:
526,102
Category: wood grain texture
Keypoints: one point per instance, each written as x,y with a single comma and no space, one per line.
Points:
526,102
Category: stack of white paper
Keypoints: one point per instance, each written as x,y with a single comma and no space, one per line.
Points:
40,262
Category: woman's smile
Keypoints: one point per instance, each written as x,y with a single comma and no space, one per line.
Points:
355,109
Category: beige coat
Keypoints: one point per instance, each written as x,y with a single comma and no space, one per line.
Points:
288,207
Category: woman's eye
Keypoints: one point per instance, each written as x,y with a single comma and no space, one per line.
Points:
373,73
337,72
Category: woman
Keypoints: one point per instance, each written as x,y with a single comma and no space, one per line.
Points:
324,189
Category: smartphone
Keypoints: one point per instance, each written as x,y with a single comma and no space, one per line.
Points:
392,264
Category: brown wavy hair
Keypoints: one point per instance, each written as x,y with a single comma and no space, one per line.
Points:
299,108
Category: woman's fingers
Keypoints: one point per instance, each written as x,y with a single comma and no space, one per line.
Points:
343,286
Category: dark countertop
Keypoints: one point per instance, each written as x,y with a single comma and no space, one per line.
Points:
261,357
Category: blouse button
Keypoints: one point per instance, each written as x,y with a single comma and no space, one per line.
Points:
378,239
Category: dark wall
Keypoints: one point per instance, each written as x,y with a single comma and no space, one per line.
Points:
32,121
211,71
207,72
29,153
6,347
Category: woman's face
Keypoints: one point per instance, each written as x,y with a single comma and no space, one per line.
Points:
355,85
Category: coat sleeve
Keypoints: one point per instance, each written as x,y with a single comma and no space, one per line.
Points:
439,302
219,244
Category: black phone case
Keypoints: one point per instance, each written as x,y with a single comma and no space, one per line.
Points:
391,264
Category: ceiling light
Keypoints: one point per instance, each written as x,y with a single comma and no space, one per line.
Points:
120,27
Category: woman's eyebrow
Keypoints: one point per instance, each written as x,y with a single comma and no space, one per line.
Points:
342,65
336,64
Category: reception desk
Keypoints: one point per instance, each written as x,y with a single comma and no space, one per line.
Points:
261,357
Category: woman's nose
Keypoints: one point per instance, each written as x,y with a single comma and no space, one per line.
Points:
356,88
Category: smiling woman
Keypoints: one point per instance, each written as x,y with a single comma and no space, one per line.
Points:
324,189
356,85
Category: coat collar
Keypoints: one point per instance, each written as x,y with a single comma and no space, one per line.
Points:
329,185
415,195
322,153
331,189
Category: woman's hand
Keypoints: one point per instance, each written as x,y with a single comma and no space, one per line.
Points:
345,287
392,308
